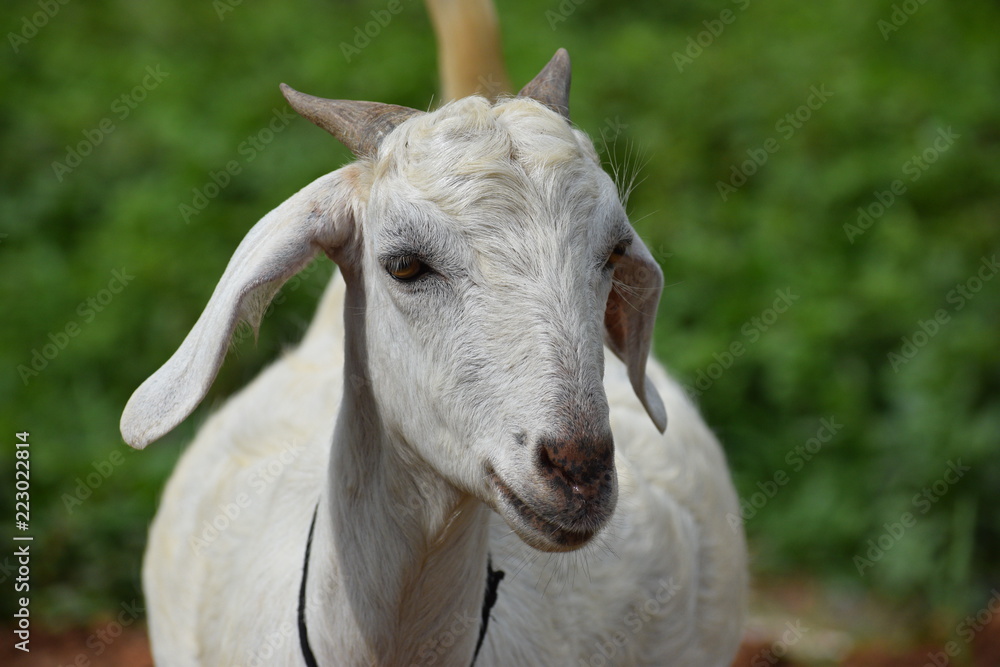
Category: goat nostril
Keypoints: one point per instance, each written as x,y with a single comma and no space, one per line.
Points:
544,460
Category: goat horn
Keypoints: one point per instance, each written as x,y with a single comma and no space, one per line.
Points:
551,85
361,126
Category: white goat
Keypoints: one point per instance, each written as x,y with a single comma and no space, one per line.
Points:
452,395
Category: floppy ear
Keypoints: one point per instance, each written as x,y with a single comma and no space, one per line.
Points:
628,322
319,216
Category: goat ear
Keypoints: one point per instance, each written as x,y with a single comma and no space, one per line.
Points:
628,322
319,216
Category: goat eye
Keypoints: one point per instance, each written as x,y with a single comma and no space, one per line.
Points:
406,268
616,254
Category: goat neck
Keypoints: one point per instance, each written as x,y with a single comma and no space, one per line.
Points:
399,556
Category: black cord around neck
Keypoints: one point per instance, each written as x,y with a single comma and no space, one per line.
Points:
307,652
493,578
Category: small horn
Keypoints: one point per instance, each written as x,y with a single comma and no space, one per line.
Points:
551,86
361,126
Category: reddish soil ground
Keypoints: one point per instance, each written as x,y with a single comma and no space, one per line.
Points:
81,648
94,647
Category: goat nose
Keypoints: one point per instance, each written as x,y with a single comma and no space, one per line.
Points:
582,466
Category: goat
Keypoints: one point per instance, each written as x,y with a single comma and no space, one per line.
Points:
452,407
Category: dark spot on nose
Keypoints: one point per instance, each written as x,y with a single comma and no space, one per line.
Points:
580,467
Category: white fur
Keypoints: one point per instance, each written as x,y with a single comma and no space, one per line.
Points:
398,401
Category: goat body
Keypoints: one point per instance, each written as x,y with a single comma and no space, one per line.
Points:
475,385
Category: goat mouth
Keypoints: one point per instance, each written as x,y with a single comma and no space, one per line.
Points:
535,529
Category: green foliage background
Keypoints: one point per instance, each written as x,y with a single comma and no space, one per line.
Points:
826,357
